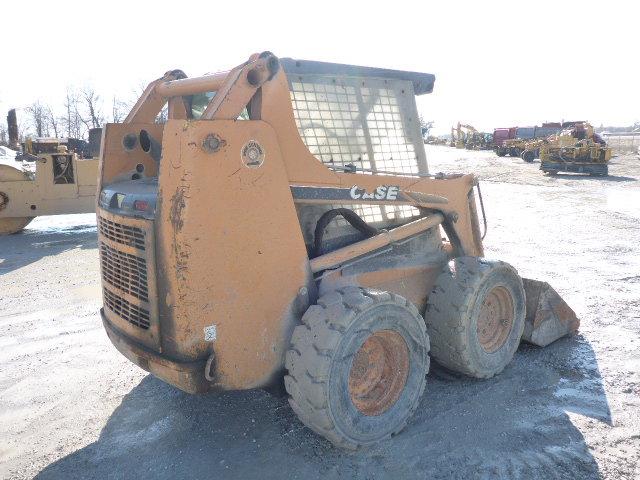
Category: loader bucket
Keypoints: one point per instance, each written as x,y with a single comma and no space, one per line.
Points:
548,316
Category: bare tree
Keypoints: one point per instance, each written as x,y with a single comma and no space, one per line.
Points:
53,122
3,134
82,112
119,110
91,100
73,121
38,117
23,131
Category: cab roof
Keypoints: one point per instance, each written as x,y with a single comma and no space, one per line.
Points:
422,82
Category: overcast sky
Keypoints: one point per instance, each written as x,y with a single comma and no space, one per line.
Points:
496,63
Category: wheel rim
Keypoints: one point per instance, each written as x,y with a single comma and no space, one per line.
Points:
379,372
496,319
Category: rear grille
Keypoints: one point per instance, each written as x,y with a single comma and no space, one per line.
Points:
133,314
123,234
126,264
124,271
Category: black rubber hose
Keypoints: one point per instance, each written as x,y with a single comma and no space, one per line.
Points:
350,216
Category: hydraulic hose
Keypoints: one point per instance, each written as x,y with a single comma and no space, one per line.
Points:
350,216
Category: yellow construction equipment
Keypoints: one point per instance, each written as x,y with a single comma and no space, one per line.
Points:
51,179
457,137
433,140
467,136
460,135
577,149
301,243
514,146
531,149
479,141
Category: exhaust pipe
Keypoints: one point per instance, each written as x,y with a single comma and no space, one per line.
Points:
95,138
150,145
12,125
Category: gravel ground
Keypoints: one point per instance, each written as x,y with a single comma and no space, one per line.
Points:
72,407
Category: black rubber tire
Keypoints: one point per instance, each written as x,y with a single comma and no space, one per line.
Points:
528,156
501,152
452,312
319,363
515,152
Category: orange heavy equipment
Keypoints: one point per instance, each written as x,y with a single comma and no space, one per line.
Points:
282,227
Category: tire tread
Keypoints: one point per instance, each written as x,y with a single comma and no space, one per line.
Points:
313,344
448,306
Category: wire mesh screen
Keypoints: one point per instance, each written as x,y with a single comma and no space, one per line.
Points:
370,123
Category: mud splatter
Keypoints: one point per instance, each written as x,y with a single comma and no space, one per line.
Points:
177,207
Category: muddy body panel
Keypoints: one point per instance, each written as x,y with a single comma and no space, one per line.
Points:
188,376
230,251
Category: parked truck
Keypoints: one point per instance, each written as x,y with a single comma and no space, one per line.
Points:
500,136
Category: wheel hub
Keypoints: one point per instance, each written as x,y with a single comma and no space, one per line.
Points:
379,372
496,319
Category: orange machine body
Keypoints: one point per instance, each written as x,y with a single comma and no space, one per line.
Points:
207,251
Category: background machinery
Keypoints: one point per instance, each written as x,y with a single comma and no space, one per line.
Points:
479,141
515,140
287,249
465,132
53,178
500,136
531,149
576,149
433,140
457,137
513,147
467,136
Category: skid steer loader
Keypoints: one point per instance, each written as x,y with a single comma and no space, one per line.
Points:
282,226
